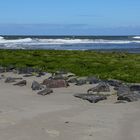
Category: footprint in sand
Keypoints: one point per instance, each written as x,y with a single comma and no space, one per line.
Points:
53,133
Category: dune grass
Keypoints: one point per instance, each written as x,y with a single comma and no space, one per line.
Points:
113,65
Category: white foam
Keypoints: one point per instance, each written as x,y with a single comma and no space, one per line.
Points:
84,41
136,37
2,40
29,42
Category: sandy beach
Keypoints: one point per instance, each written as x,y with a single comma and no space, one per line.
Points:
24,115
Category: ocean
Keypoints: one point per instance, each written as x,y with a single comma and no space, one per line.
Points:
129,44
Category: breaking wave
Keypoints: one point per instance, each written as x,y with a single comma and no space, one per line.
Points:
2,40
85,41
136,37
67,43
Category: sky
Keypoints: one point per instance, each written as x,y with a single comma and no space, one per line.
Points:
70,17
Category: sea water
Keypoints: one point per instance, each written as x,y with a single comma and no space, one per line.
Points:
99,43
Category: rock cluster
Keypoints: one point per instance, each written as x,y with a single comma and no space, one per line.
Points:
124,92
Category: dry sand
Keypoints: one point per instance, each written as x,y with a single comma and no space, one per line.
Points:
24,115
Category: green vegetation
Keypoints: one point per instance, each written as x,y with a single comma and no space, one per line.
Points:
121,66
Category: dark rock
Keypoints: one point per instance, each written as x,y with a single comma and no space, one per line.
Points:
21,83
72,80
121,102
36,86
93,80
123,90
27,70
10,68
2,69
101,87
135,88
130,97
57,77
115,83
55,83
81,82
91,97
2,77
27,75
45,92
61,72
41,74
11,79
124,93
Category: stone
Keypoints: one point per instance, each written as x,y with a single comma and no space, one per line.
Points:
92,98
126,93
61,72
11,79
10,68
36,86
121,102
2,77
27,75
123,90
93,80
45,92
72,80
131,97
2,69
115,83
135,88
41,74
81,82
101,87
57,77
51,83
27,70
21,83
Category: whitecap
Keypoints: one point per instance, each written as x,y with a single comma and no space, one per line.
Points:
136,37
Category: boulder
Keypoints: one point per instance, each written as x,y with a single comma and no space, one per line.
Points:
93,80
27,75
51,83
130,97
11,79
10,68
126,93
27,70
135,88
91,97
81,82
61,72
2,77
101,87
36,86
2,69
114,83
123,90
41,74
57,77
72,80
121,102
45,92
21,83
